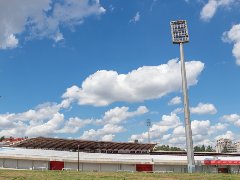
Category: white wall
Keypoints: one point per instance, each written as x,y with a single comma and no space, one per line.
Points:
73,165
109,167
90,167
40,165
10,163
169,168
1,162
127,167
25,164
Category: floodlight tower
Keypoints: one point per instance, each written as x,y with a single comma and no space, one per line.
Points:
179,36
148,122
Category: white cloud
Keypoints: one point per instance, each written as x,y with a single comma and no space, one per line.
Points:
112,120
73,125
158,129
227,135
108,130
233,36
211,7
232,118
108,137
204,109
202,132
47,120
40,19
42,120
174,101
136,18
47,128
119,114
148,82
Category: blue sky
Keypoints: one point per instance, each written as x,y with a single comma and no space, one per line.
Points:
98,69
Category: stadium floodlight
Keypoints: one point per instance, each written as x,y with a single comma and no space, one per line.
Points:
148,122
179,31
179,36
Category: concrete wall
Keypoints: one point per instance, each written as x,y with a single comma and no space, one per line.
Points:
1,163
10,163
72,166
170,168
109,167
127,167
25,164
40,165
91,167
209,169
234,169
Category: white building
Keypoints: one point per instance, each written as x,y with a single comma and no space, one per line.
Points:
227,146
39,159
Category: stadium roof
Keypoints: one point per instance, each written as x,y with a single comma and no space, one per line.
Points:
84,145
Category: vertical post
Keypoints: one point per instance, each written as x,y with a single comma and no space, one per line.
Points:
78,157
188,130
149,125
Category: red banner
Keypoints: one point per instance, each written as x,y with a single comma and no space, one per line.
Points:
222,162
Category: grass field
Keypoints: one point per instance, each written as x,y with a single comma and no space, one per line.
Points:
58,175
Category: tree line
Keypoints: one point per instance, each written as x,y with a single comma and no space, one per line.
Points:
202,148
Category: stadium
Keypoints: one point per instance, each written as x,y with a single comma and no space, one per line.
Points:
99,156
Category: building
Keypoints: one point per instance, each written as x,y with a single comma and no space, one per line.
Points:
40,159
55,156
227,146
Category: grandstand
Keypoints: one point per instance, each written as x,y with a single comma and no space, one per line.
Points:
85,146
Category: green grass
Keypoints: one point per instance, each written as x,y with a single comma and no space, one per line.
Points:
58,175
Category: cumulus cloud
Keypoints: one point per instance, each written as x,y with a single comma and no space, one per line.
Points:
211,7
40,19
227,135
119,114
73,125
136,18
174,101
148,82
232,118
158,129
204,109
233,36
47,120
108,130
202,132
170,130
42,120
112,123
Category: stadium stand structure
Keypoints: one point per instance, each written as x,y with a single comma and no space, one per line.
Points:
85,146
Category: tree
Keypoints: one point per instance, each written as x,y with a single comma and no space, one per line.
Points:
167,148
203,148
2,138
209,149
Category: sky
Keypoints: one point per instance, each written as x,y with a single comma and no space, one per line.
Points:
98,69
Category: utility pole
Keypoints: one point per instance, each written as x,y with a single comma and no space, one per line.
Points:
78,157
148,122
179,36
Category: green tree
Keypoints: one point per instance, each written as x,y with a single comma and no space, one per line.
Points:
209,149
203,148
166,148
2,138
